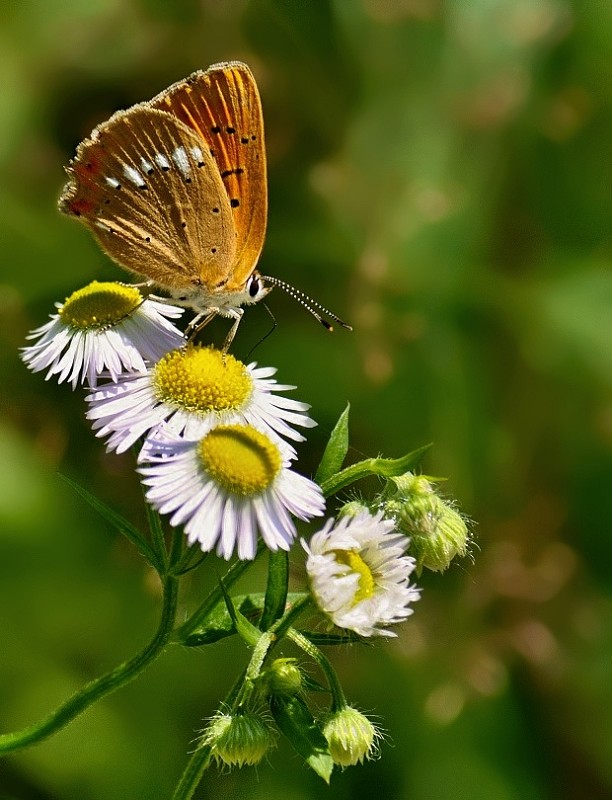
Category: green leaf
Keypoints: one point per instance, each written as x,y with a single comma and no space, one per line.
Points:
382,467
117,522
294,719
326,639
336,450
276,589
247,632
219,625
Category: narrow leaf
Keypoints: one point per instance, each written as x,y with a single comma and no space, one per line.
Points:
294,719
118,522
336,450
276,589
326,639
247,632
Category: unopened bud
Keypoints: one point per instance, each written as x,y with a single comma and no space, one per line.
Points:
351,736
238,739
284,677
438,533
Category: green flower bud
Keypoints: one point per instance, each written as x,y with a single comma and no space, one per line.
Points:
238,739
352,509
284,677
351,736
437,531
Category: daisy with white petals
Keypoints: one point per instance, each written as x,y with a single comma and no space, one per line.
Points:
191,390
227,486
103,327
359,574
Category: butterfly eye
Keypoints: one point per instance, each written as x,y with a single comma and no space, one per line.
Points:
255,285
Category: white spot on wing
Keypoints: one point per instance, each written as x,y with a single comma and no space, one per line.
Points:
179,156
112,182
146,165
197,154
133,175
162,161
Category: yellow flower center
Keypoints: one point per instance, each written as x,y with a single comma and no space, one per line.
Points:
240,459
100,305
202,379
355,562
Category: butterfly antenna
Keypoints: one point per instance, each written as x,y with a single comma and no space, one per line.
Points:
308,303
265,336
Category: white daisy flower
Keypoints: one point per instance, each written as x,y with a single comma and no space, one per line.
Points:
227,486
103,327
191,390
359,574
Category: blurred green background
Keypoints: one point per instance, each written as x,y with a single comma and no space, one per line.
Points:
440,176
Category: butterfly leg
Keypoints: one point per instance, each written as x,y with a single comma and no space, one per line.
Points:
199,322
236,315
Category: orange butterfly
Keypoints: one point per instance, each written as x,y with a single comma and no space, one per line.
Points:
175,189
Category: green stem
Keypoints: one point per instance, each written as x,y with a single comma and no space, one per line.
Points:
192,775
281,626
383,467
213,598
103,685
338,698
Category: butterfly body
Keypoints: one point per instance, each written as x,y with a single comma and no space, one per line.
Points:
175,190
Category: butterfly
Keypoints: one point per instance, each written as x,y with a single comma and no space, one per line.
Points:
174,189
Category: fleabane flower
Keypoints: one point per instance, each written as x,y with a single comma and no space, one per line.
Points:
359,575
191,390
103,327
227,486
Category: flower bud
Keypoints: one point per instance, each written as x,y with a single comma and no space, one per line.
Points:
284,677
437,531
238,739
350,735
353,509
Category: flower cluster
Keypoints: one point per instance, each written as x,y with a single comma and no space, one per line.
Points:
216,450
215,454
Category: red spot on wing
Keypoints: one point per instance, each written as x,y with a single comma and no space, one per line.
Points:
81,206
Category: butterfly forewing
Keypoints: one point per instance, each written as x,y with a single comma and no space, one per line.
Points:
223,106
152,195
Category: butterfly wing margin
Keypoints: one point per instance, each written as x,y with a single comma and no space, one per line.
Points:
223,106
153,198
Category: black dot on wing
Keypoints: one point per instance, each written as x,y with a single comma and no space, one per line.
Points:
201,164
147,238
187,180
183,224
215,210
253,137
215,129
244,140
234,202
229,129
213,249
